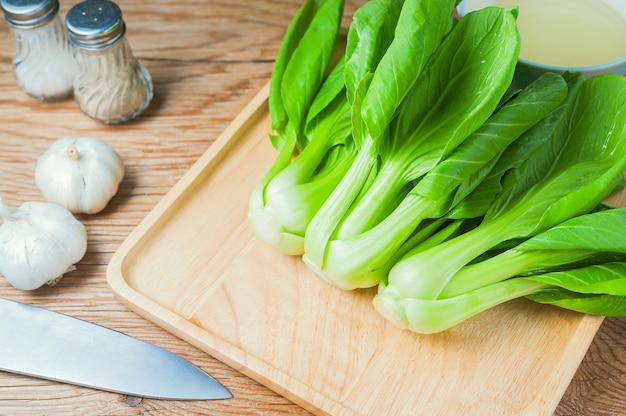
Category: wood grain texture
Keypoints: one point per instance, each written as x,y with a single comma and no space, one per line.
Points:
208,59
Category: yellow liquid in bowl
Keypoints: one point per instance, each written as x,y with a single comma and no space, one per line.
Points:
569,33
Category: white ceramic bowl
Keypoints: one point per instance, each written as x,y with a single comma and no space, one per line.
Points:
529,69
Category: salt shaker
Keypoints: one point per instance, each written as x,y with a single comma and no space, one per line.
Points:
43,60
112,86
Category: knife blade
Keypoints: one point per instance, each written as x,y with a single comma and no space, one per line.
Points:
42,343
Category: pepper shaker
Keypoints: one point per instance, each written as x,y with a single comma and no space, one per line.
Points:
112,86
44,62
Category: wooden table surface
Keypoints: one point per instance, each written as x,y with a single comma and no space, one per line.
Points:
208,58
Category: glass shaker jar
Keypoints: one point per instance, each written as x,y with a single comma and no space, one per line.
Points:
112,86
43,60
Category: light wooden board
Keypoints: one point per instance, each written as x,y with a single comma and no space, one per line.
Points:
194,267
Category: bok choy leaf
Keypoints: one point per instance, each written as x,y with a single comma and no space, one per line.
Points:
307,48
301,88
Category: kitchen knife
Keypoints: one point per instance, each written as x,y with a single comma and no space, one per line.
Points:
50,345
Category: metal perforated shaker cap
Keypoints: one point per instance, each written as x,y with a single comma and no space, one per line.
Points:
95,24
28,14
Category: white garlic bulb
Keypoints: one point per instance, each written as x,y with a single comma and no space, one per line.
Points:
80,174
39,242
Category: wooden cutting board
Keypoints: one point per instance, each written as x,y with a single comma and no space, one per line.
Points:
194,267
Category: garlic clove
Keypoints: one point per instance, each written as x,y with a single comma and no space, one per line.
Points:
81,174
39,242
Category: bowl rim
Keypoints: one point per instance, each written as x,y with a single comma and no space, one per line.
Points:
614,64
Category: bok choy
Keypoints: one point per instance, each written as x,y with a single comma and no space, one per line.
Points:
579,265
582,163
405,159
372,212
303,107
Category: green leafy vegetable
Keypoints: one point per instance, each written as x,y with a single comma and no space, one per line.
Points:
305,101
349,239
588,159
526,150
406,161
376,61
428,316
307,48
595,304
591,237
